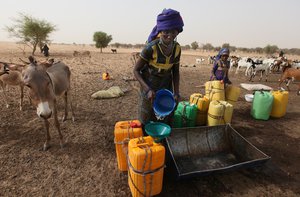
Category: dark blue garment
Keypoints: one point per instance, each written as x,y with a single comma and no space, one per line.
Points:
167,20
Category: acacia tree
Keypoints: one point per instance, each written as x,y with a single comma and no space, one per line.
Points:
31,31
208,47
102,39
195,45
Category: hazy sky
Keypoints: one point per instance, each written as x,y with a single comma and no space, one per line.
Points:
241,23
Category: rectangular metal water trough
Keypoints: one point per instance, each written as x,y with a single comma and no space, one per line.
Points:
203,150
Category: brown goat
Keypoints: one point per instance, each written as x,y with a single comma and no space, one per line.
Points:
290,74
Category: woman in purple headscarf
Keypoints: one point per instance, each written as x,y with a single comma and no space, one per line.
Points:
158,65
221,67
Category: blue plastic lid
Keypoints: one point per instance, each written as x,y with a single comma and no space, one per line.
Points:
164,103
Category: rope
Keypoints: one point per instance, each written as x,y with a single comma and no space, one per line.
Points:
143,172
222,117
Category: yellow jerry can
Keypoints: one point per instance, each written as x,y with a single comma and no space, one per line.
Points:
146,161
124,131
219,112
214,90
279,103
232,94
202,103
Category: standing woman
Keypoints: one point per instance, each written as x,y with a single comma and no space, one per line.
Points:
158,65
221,67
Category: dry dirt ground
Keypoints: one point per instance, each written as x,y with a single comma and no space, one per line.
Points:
87,165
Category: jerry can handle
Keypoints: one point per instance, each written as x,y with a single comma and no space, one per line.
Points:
143,144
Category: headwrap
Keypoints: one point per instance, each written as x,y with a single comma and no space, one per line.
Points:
167,20
223,51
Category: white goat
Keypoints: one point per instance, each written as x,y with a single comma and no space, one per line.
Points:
256,66
200,60
243,63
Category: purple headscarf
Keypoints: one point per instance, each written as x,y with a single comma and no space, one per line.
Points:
168,19
223,51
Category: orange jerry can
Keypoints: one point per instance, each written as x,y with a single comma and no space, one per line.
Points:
146,160
105,76
124,131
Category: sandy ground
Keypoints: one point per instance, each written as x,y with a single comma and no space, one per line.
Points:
87,165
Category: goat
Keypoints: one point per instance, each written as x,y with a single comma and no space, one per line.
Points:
199,60
258,66
211,59
83,54
233,62
134,57
13,78
4,70
290,74
114,50
45,85
244,62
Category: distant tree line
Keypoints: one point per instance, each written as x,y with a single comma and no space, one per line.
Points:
34,33
269,49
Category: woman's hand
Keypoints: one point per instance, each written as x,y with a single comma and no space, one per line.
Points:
150,95
177,98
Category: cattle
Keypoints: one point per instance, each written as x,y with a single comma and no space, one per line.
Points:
114,50
45,86
290,74
12,77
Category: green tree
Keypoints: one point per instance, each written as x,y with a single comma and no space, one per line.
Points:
31,31
102,39
208,47
226,45
270,49
195,45
186,47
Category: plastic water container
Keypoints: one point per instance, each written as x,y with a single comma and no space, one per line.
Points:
164,103
146,162
262,105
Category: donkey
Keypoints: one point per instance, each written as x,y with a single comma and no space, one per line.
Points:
12,76
45,85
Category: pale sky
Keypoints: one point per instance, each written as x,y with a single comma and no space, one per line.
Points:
241,23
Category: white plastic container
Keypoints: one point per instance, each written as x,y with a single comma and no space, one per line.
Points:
249,97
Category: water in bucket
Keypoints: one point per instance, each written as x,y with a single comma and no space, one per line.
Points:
164,103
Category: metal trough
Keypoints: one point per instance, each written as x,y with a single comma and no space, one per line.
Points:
200,151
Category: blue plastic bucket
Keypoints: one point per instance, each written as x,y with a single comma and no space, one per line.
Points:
164,103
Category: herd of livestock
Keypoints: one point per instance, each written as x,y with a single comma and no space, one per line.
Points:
290,69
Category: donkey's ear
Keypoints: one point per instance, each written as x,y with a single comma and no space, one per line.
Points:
31,60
